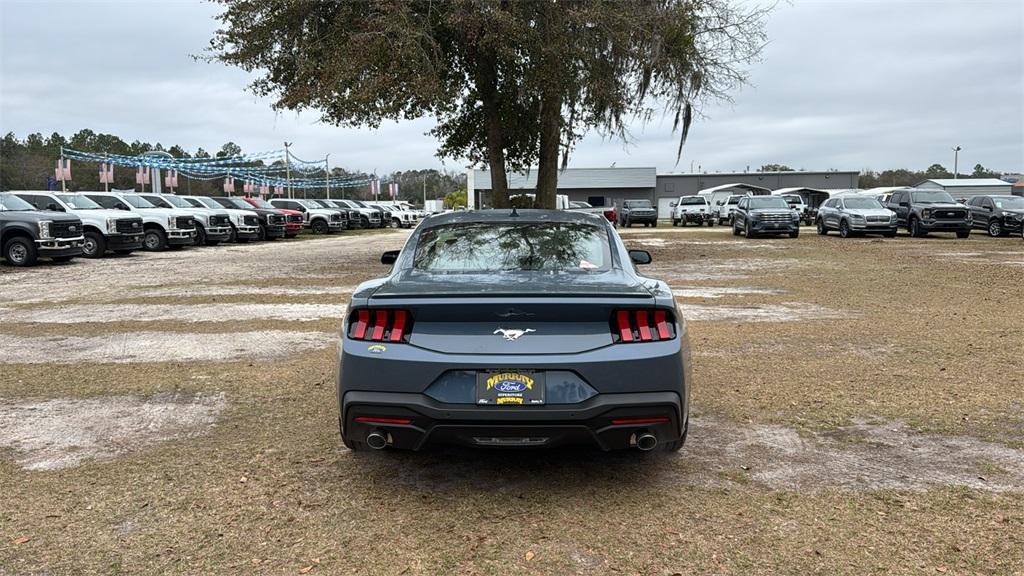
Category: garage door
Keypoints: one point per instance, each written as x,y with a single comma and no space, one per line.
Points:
664,208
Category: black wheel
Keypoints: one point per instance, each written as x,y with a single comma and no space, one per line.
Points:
20,251
319,226
654,224
794,234
735,230
914,227
61,258
675,222
995,228
748,231
233,235
711,222
154,240
94,245
822,231
262,234
844,229
396,223
200,238
963,233
364,221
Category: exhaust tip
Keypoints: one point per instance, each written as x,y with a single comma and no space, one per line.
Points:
376,440
646,441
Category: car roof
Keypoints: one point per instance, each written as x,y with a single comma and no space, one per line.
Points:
509,215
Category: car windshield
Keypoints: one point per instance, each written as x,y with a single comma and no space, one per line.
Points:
138,201
358,203
308,204
111,202
932,197
794,199
862,204
513,247
767,202
235,203
638,203
79,202
12,202
1009,202
693,201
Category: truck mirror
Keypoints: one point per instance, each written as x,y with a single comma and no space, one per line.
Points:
389,257
640,256
672,204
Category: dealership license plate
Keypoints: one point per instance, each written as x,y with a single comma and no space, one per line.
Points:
510,388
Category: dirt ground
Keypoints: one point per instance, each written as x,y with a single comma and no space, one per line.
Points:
858,408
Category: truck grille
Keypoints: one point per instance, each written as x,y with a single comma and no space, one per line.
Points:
949,214
129,225
184,222
66,229
250,221
337,217
295,218
276,219
219,221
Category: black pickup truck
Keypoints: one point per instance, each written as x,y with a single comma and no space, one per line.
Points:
27,233
923,211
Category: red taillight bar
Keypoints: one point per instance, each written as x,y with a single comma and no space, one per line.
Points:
362,318
380,325
643,325
398,327
636,421
379,322
373,420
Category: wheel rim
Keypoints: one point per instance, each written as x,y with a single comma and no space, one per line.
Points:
152,241
844,229
17,253
89,246
821,228
994,229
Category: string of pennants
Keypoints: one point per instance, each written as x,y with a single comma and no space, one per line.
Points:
256,176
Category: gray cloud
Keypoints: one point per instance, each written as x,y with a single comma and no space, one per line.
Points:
844,85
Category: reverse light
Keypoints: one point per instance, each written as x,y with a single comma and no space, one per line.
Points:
643,325
380,325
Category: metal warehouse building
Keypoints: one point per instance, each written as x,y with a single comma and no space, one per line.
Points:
967,187
604,186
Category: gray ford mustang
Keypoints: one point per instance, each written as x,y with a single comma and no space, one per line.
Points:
514,329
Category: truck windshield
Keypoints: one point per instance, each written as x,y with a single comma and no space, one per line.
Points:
767,202
79,202
159,202
171,201
261,203
138,201
932,197
477,247
693,201
638,203
309,204
205,203
237,203
12,202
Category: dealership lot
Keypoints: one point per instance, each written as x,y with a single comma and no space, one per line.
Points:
858,407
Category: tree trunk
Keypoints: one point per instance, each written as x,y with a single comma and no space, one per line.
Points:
487,81
550,134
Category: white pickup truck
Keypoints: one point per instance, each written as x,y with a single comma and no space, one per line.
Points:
212,226
692,210
162,227
104,229
245,224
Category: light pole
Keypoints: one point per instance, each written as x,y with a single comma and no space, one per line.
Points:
327,179
956,161
288,167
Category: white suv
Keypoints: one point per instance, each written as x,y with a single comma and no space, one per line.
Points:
163,227
103,229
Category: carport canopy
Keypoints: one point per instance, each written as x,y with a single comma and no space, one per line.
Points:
755,190
813,197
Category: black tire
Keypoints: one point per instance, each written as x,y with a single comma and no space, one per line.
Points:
94,245
20,251
822,231
844,229
675,222
963,234
364,222
233,235
61,258
396,223
628,223
995,228
747,231
262,234
200,239
154,240
676,445
914,227
319,226
654,224
794,234
735,230
711,222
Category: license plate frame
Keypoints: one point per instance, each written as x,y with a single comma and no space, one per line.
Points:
510,388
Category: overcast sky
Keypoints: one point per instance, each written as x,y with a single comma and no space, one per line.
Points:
845,85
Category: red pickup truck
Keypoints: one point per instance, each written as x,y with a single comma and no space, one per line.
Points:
295,222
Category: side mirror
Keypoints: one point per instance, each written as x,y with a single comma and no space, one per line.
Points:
300,208
672,204
640,256
989,208
391,256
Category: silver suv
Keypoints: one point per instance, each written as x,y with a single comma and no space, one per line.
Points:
855,214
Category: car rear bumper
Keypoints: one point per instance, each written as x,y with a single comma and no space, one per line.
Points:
609,421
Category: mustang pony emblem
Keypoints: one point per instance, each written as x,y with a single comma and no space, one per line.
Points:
511,334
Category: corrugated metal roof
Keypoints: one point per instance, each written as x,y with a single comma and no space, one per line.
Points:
963,182
797,189
576,178
739,185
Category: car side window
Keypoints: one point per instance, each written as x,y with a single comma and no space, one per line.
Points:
986,203
35,201
895,198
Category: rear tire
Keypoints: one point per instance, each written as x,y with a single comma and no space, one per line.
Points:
21,251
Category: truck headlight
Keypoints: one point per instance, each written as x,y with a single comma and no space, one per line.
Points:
926,213
170,222
112,225
44,229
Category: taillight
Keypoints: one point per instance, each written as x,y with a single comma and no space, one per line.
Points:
643,325
380,325
610,215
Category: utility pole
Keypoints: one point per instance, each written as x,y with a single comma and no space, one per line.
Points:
288,167
327,179
956,162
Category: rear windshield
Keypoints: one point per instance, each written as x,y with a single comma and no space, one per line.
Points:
638,203
513,247
693,200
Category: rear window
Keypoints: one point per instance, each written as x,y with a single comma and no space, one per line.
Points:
692,201
513,247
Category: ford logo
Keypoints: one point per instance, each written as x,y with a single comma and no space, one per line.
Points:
135,224
71,228
510,386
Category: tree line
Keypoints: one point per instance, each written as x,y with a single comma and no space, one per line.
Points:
28,164
905,177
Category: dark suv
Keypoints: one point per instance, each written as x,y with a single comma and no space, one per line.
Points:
638,212
923,211
756,215
27,233
997,214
